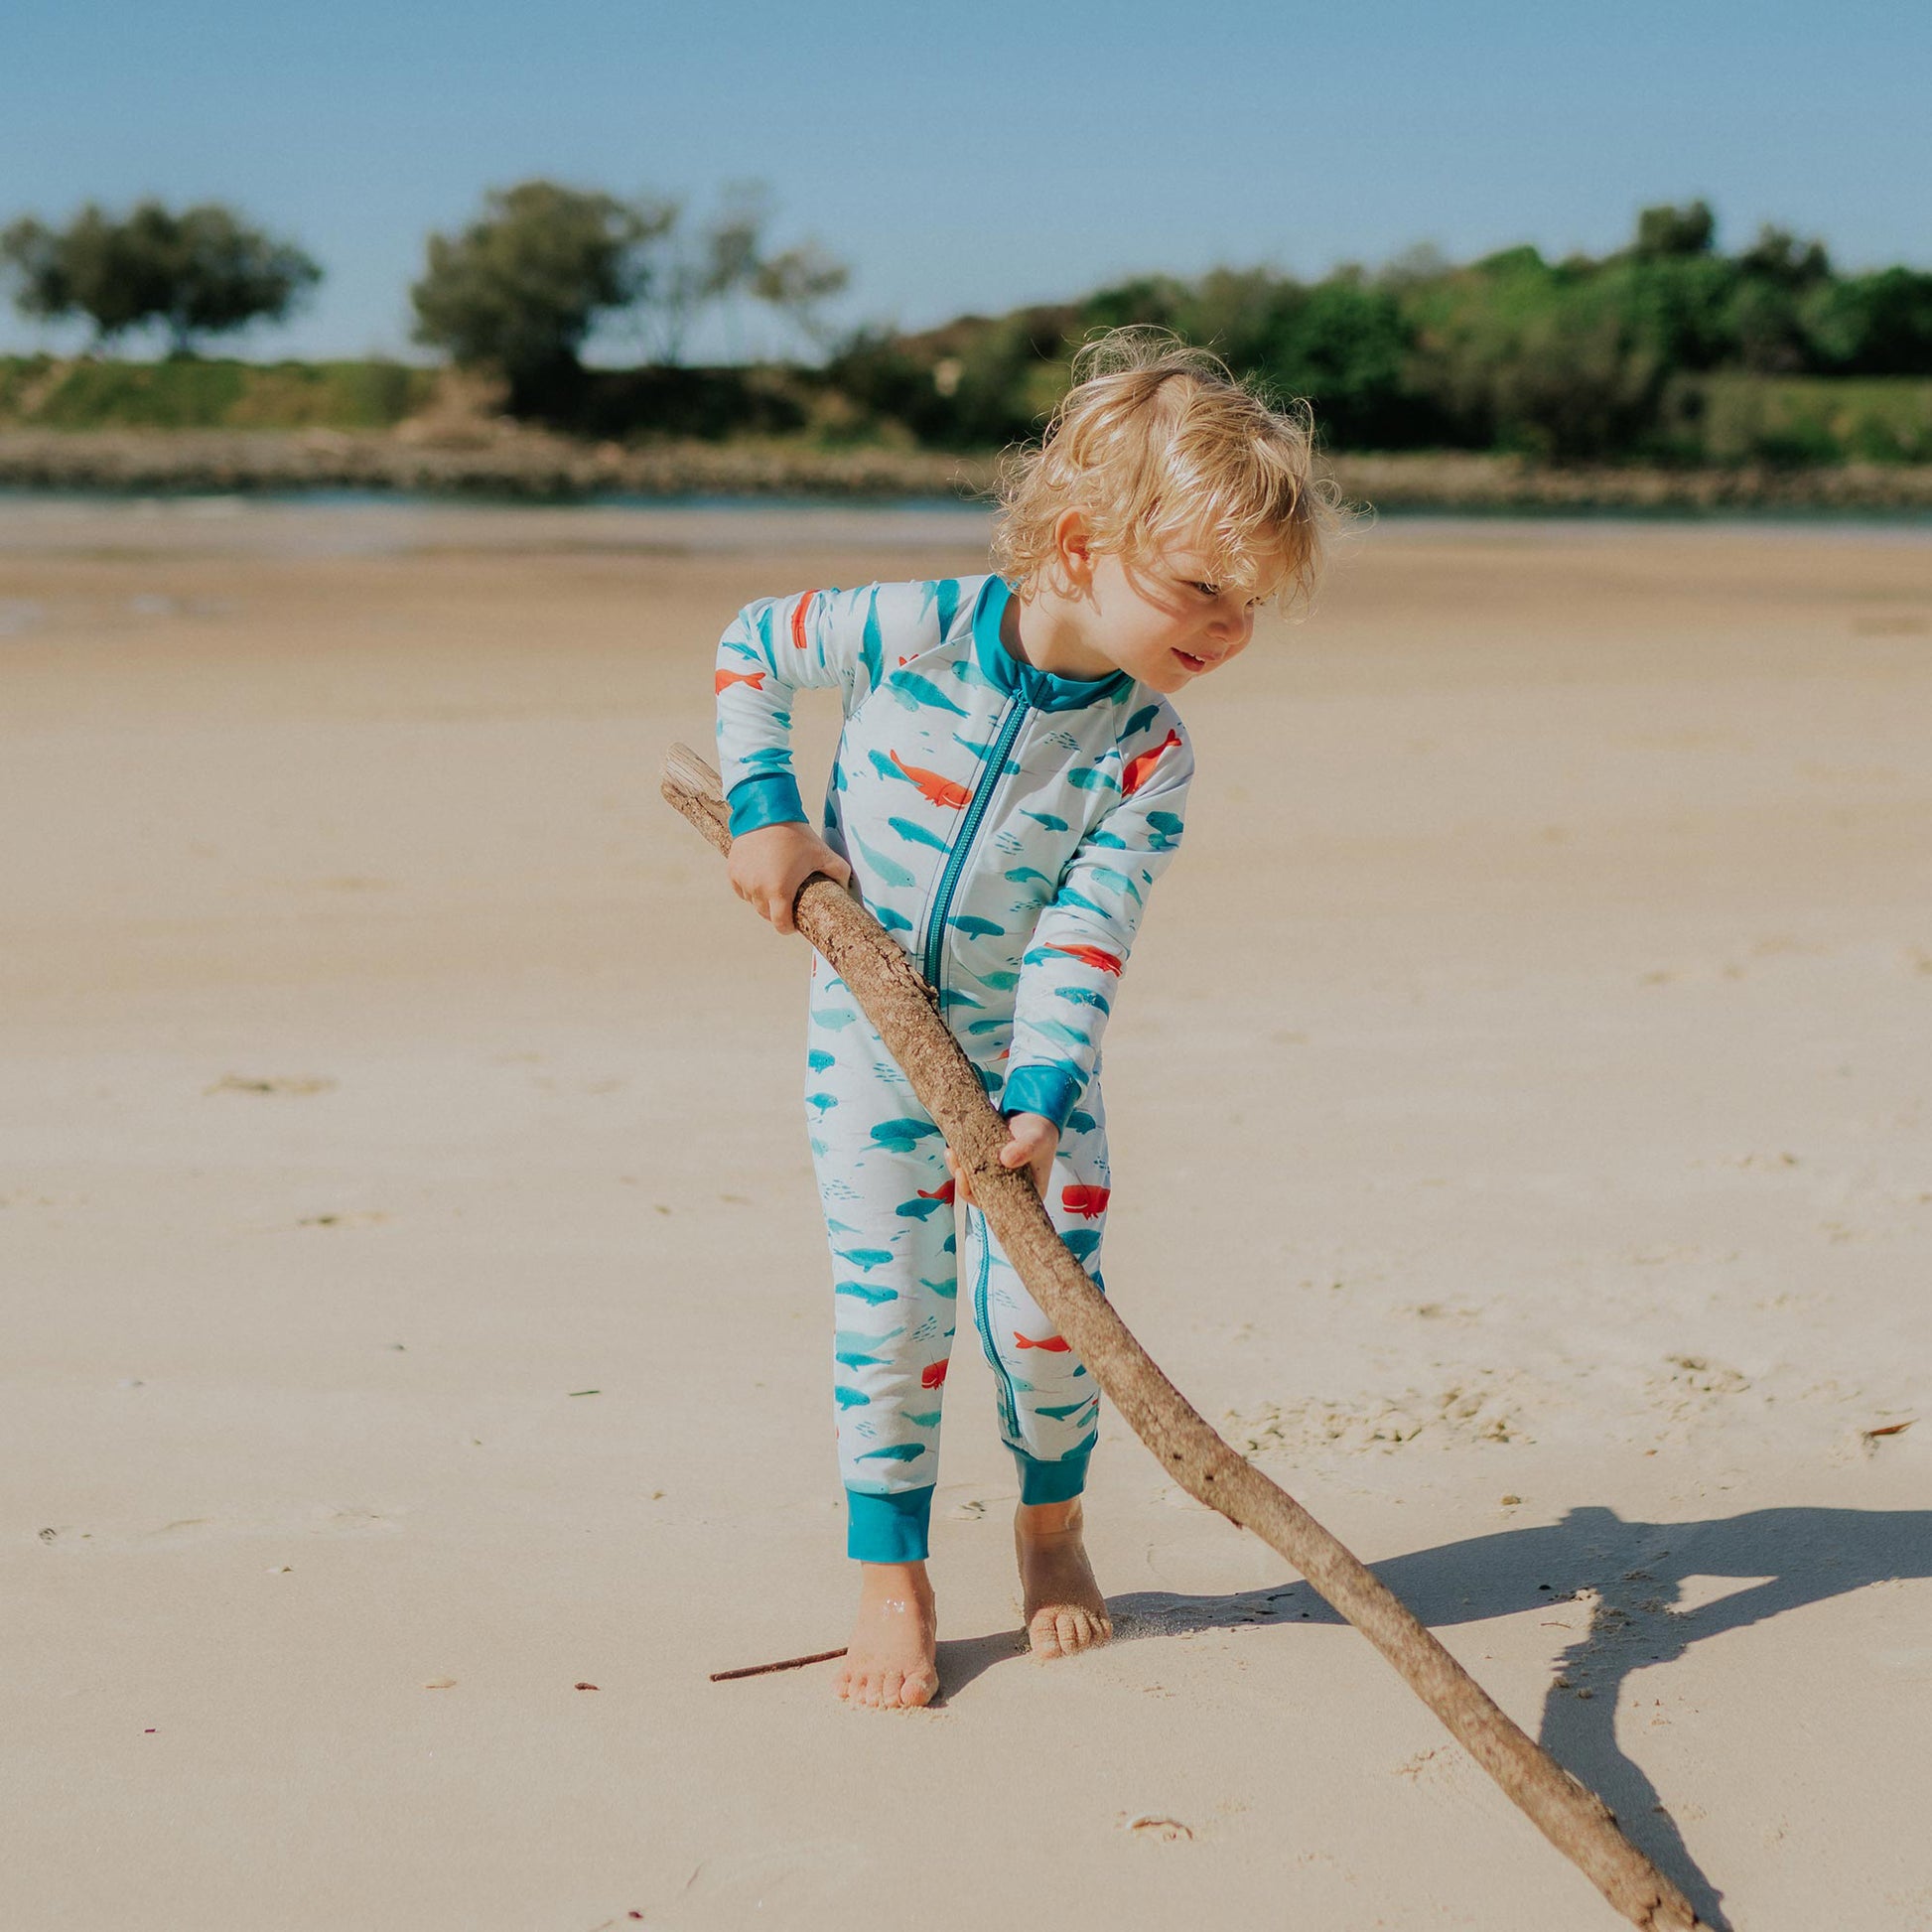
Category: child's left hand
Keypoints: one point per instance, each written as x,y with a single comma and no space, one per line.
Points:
1034,1143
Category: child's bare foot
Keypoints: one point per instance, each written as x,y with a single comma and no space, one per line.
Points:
889,1663
1065,1608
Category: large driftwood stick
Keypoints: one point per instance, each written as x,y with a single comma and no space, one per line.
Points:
896,1001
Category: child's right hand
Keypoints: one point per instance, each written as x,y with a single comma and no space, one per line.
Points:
769,866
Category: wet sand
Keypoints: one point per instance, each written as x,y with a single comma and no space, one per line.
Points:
416,1308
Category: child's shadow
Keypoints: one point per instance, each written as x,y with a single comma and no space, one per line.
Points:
1632,1575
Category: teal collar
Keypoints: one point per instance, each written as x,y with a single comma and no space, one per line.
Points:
1043,690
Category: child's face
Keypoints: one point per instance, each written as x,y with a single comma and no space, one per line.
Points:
1161,616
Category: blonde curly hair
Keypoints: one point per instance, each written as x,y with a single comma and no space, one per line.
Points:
1158,441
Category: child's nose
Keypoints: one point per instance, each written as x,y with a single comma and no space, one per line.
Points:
1233,622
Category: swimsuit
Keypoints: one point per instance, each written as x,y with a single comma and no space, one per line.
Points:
1005,825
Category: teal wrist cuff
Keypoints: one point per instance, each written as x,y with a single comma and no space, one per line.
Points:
1047,1090
769,798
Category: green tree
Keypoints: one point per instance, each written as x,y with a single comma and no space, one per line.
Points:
725,258
522,288
1775,274
1870,324
1666,230
799,282
1551,359
202,272
702,266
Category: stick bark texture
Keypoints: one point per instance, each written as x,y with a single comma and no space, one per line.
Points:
896,1001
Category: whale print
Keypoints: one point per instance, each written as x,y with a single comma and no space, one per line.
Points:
798,615
1140,769
916,834
1092,779
922,1205
1083,995
888,872
913,691
933,786
1087,1202
1096,956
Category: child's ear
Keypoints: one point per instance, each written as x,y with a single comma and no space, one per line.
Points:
1073,549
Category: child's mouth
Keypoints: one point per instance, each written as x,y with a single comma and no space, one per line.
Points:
1193,662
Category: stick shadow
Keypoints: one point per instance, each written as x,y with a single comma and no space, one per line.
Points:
1632,1574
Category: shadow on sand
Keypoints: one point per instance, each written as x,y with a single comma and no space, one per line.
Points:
1632,1575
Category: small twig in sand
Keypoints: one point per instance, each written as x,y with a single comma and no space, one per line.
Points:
783,1663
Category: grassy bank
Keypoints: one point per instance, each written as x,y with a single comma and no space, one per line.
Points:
39,391
1723,421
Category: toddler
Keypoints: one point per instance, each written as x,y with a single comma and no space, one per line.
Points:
1010,781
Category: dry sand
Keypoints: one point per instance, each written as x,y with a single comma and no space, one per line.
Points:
415,1311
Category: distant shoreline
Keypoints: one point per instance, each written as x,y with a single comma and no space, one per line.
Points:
532,466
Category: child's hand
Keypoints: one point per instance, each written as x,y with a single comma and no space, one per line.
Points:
769,866
1035,1142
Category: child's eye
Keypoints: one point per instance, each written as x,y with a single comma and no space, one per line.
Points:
1208,590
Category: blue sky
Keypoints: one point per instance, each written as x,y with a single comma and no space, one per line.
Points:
974,158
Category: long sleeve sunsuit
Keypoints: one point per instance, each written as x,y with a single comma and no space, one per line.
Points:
1006,826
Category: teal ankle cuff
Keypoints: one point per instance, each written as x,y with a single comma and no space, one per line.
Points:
1053,1482
887,1528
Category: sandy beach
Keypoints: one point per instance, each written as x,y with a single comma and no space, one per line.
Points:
415,1374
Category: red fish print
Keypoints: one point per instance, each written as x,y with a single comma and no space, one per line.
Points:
723,680
1089,956
1087,1202
933,788
798,611
944,1193
1054,1345
1137,769
934,1375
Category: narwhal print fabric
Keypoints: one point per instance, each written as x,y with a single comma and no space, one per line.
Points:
1006,826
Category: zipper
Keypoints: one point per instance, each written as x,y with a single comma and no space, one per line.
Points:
982,1319
936,929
